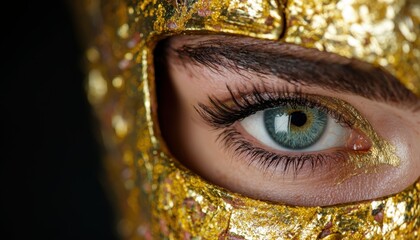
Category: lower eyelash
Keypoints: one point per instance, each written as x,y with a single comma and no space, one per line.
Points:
233,140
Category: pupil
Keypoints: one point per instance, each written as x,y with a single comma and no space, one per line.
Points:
298,118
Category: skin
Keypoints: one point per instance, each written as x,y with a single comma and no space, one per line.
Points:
195,143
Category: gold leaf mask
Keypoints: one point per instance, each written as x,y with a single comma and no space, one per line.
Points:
156,196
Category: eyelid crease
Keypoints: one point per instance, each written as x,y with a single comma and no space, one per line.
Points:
298,65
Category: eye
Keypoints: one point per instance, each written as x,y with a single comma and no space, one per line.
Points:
296,129
291,129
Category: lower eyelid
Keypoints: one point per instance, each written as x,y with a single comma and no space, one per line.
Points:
269,159
242,135
236,140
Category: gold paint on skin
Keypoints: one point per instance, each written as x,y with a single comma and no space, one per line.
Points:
380,152
155,196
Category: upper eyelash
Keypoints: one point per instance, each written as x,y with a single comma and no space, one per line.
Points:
221,115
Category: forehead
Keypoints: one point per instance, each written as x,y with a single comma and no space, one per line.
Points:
384,33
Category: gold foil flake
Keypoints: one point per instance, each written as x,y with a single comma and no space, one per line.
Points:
128,56
385,32
92,55
257,18
120,126
117,82
97,86
123,31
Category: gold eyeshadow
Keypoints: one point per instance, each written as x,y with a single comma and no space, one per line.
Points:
380,151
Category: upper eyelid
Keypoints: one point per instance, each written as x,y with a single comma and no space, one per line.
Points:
220,115
350,76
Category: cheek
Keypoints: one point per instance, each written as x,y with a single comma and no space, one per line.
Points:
206,157
402,131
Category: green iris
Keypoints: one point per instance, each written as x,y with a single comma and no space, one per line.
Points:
295,127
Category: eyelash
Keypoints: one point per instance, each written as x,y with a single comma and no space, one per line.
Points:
223,116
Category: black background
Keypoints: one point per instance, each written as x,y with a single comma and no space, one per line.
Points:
50,168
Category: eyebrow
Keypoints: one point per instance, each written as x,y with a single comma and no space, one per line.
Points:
298,65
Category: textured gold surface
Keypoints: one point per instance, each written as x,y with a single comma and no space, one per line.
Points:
156,197
382,32
188,206
258,18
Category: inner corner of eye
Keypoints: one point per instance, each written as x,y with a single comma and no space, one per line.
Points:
358,141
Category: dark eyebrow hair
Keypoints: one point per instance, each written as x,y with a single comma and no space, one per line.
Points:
298,65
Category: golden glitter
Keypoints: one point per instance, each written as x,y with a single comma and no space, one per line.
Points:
97,86
120,126
92,55
156,196
117,82
130,10
128,56
123,31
